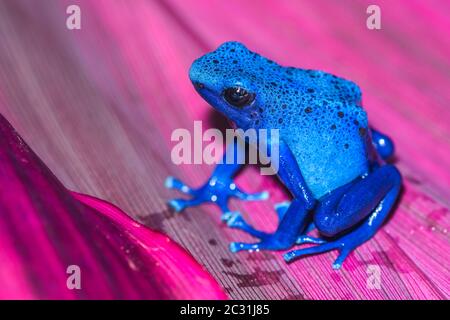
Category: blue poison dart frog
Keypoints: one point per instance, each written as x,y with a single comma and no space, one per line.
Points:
332,163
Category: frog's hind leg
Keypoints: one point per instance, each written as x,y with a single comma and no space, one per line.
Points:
369,200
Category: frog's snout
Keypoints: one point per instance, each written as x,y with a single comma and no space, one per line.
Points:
195,71
199,74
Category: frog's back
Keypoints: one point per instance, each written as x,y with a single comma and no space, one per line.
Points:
322,121
319,115
329,144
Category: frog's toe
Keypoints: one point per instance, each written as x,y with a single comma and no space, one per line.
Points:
235,247
169,182
305,239
269,242
180,204
296,254
344,251
226,215
236,221
240,246
177,204
343,254
264,195
174,183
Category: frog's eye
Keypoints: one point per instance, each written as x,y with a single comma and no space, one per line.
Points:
238,96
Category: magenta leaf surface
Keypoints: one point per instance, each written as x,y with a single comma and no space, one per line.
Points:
55,244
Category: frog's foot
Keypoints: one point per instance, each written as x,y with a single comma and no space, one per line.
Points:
285,236
384,185
344,247
268,241
236,221
214,191
307,239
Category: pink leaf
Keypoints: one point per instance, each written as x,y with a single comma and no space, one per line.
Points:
44,229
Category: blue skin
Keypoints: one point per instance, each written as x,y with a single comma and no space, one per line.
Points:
330,160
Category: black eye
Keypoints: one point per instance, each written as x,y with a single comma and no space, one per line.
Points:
238,97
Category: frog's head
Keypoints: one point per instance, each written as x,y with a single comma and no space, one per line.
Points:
253,91
230,80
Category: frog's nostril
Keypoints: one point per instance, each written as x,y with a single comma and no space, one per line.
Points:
199,85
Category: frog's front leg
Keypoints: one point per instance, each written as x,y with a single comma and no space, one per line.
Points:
370,199
294,219
218,189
